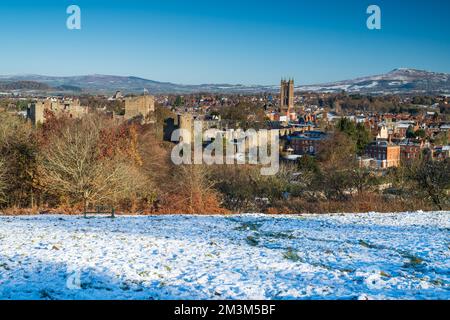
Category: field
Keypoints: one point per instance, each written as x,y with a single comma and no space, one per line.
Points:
346,256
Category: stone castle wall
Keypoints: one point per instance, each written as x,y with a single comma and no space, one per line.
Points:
139,106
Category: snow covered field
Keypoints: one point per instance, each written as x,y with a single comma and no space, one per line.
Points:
365,256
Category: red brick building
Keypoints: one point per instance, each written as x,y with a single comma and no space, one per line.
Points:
307,142
386,154
410,150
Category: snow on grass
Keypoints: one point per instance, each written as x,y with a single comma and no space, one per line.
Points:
348,256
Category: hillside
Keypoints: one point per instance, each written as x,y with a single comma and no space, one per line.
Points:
23,85
397,81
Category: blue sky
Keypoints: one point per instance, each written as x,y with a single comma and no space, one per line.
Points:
224,41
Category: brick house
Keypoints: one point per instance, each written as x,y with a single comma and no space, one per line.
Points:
386,154
410,150
306,143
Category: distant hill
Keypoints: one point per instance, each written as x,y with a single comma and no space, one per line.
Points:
68,88
23,85
109,84
396,81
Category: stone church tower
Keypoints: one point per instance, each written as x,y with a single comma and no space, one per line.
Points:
287,97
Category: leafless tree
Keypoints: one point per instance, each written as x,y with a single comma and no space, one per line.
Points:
433,180
74,167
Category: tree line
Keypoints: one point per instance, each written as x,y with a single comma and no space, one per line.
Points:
70,165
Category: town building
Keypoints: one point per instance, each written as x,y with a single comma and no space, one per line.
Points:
401,128
383,133
306,143
117,96
411,150
386,154
441,152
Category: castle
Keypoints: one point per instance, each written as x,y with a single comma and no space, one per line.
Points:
141,106
59,106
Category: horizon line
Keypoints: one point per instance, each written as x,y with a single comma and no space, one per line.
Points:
2,76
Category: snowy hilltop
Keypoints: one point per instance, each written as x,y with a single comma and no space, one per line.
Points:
401,80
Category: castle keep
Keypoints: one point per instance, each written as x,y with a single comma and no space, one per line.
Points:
141,106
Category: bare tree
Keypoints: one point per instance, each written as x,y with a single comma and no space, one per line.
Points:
74,167
433,180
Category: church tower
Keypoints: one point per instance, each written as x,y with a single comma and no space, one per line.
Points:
287,97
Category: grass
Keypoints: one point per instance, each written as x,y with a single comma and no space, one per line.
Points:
414,261
252,241
367,245
278,235
292,255
384,274
44,294
5,266
248,226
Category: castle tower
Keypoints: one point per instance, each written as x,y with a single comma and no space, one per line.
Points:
139,106
287,97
